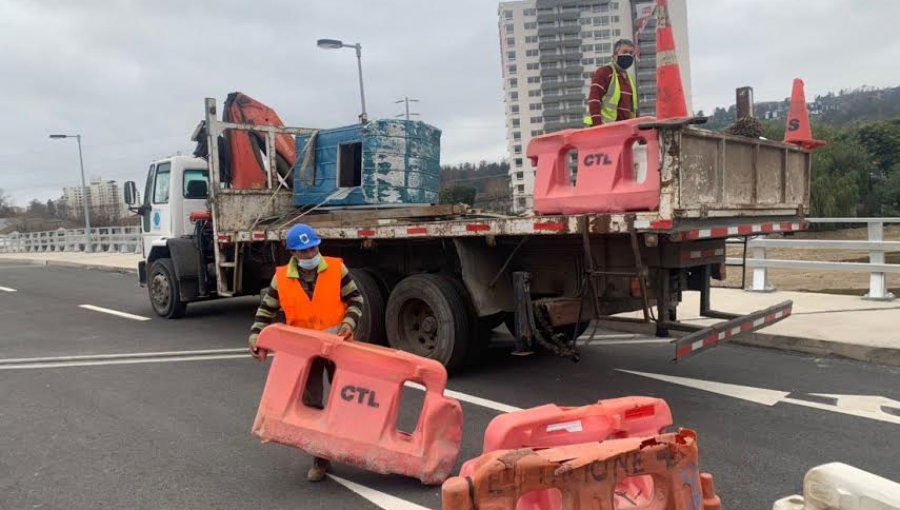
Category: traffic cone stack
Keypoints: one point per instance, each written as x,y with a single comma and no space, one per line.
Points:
670,102
797,130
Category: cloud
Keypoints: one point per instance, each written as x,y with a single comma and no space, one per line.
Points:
130,76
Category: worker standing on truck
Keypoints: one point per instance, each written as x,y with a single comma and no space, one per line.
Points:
613,94
315,292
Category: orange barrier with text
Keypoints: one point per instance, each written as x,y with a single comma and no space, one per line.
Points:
358,424
551,425
587,475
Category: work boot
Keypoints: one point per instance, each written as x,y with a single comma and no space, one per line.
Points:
317,472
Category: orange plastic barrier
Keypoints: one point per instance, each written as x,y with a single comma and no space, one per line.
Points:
550,425
587,475
607,178
358,425
797,129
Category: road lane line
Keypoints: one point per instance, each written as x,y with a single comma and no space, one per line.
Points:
378,498
121,356
7,289
472,399
170,359
114,312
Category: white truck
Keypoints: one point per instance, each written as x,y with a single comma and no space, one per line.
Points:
437,279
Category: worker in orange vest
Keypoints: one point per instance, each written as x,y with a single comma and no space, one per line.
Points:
315,292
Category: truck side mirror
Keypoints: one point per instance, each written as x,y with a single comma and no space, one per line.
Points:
130,193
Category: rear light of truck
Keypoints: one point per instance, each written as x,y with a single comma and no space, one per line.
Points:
634,286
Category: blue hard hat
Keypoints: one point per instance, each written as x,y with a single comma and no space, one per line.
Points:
301,237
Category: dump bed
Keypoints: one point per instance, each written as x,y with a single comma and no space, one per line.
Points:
706,174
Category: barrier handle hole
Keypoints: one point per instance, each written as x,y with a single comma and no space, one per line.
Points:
317,390
409,410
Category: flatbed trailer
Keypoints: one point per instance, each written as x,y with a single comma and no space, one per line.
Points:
438,278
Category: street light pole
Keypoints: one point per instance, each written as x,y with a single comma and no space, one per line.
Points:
333,44
363,118
84,192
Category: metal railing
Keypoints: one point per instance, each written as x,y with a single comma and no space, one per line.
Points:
875,245
104,240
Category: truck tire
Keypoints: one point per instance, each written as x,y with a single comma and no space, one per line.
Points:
371,324
162,285
427,315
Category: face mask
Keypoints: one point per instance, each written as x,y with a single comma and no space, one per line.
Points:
310,264
625,61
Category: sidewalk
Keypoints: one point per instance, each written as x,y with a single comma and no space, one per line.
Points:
115,262
821,324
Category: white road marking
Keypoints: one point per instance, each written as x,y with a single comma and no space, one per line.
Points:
114,312
7,289
382,500
472,399
759,395
89,363
121,356
862,406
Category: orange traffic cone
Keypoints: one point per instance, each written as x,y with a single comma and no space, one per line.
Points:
797,130
670,101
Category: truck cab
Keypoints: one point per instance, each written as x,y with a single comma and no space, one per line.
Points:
176,188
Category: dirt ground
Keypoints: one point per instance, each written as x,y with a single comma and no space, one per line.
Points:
832,282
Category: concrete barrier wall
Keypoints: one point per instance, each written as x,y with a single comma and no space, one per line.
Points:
102,240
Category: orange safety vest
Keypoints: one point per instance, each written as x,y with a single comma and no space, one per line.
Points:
325,310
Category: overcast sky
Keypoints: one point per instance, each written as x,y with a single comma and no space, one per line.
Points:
130,76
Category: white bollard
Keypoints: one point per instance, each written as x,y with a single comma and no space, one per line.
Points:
760,281
877,281
837,486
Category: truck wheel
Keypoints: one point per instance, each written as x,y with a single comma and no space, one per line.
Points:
371,324
165,296
427,316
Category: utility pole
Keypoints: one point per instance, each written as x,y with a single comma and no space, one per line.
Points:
406,100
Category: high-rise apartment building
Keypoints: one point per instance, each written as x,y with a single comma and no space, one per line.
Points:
549,52
104,198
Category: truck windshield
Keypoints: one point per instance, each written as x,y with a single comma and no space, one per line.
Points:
196,183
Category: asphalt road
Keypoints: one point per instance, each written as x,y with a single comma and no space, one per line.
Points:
172,431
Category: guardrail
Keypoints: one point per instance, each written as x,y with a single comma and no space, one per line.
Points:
875,245
103,240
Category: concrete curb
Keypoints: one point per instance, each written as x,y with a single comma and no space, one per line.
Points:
815,346
820,347
76,265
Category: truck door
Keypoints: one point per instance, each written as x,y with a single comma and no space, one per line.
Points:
156,223
194,190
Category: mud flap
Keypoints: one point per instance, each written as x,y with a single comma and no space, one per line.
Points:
707,338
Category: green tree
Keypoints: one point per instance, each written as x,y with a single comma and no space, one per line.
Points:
6,206
37,209
836,174
458,194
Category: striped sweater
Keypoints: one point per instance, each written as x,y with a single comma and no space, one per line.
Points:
270,305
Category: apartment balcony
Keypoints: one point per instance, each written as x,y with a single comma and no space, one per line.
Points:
557,30
552,71
551,58
568,111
